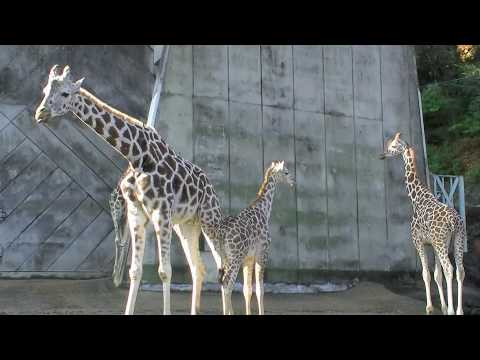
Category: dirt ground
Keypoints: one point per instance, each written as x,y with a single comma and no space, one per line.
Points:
100,297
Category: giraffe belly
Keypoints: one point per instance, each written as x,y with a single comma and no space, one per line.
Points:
184,215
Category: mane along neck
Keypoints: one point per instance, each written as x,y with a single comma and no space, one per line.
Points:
266,191
109,109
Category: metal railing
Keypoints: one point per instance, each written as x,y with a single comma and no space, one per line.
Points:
450,190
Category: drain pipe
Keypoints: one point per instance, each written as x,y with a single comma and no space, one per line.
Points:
160,57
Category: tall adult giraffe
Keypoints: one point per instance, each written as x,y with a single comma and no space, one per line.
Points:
159,185
433,223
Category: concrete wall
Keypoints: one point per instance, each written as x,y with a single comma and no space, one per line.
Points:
325,110
231,109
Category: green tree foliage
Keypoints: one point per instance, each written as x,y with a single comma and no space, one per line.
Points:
449,77
436,62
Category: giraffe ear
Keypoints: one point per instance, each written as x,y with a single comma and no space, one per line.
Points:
412,152
397,136
54,71
66,72
78,84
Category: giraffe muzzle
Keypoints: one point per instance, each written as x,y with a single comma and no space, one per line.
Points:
386,155
42,115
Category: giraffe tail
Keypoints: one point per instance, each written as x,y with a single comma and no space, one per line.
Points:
221,272
122,236
459,242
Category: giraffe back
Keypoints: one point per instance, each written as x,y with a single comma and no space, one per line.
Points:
433,218
245,234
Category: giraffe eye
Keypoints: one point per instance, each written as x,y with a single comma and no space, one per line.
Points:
64,94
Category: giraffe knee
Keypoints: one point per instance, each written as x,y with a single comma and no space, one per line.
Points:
437,275
449,271
135,273
165,273
460,273
247,290
426,275
200,271
227,281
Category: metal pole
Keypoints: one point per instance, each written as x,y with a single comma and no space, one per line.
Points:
461,205
423,137
160,57
159,66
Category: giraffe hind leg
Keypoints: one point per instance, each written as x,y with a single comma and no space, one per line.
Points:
163,230
137,221
441,250
189,236
458,253
247,283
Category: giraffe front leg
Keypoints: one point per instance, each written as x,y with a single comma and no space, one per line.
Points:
247,284
438,276
228,282
426,277
163,230
137,221
259,271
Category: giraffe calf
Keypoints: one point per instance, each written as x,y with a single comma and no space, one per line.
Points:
245,239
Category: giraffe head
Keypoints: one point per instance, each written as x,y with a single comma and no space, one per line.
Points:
394,146
58,94
280,172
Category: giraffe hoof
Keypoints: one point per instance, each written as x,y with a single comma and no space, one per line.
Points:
444,310
451,312
429,310
459,312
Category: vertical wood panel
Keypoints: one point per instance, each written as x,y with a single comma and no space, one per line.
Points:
84,244
33,206
17,162
26,183
29,240
63,237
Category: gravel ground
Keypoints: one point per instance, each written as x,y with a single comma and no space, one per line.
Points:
100,297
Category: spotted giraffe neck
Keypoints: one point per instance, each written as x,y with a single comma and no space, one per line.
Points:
266,194
126,134
415,188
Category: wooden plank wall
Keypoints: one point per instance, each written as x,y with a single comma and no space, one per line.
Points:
55,180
